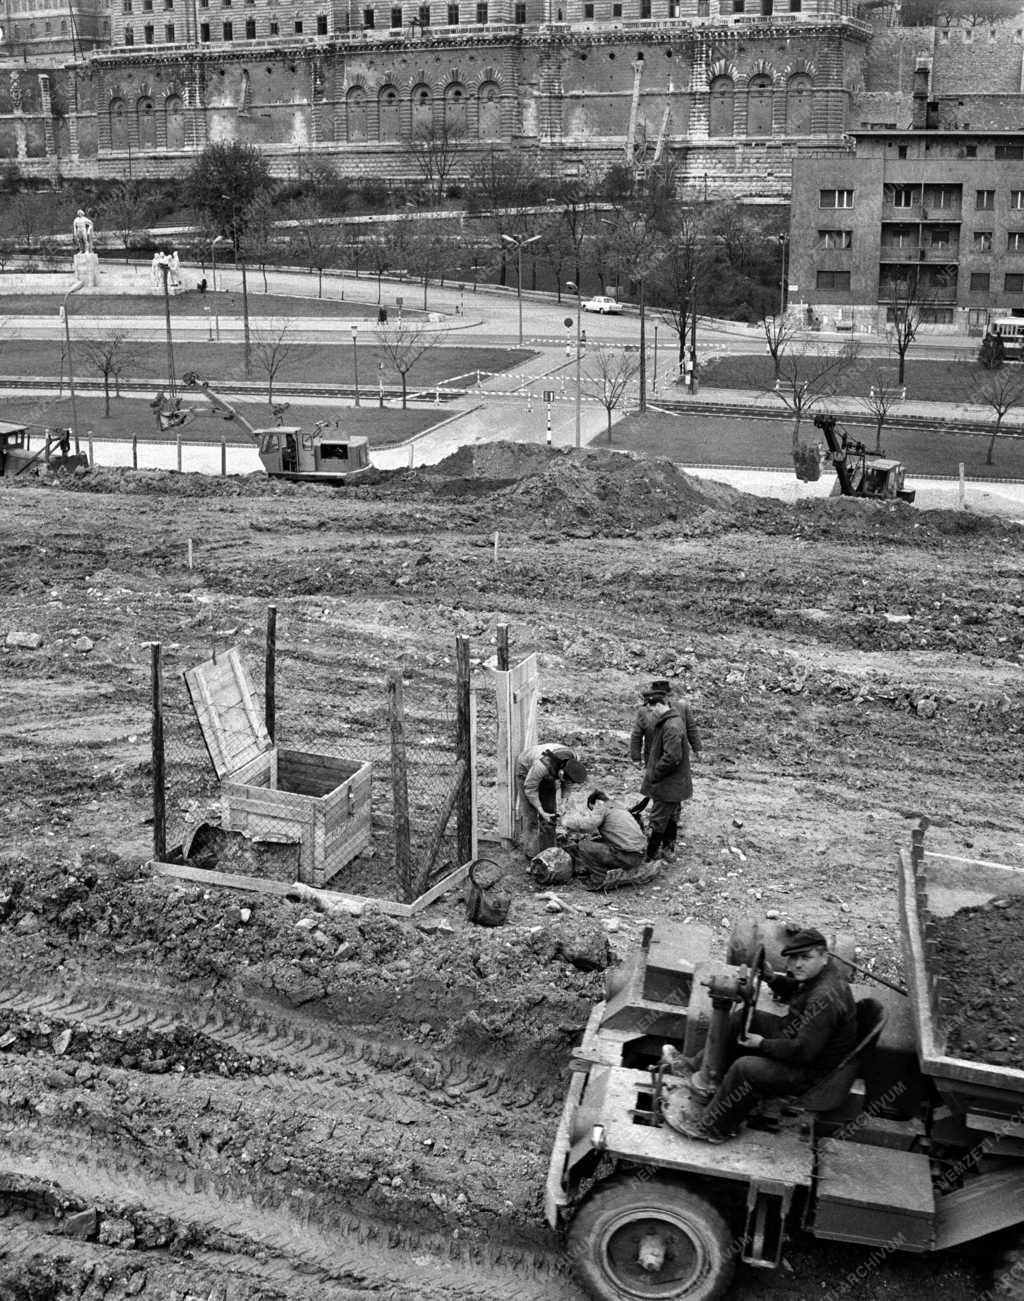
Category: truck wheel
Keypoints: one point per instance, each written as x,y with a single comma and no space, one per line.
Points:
653,1240
1008,1272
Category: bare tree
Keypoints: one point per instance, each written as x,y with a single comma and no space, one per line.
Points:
999,390
779,332
110,355
380,253
437,150
612,371
126,209
318,239
884,391
808,376
272,350
404,345
904,303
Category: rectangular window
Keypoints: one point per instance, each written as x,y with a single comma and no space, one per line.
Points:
204,4
588,11
616,11
168,4
519,15
645,8
129,36
833,279
204,31
737,6
298,27
982,241
396,16
985,200
901,151
169,32
1015,241
250,29
835,239
424,12
228,32
940,239
453,15
1013,284
147,33
835,199
127,6
1017,199
321,24
970,151
703,8
482,13
795,6
979,280
275,27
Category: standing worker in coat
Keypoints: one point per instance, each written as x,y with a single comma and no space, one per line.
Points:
542,774
667,779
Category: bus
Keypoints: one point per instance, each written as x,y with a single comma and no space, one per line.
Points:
1011,330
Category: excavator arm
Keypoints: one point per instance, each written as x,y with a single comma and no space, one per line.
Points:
223,408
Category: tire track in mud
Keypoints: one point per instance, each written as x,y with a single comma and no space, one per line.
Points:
295,1240
298,1044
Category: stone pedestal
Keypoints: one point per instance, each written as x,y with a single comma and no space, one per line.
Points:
87,269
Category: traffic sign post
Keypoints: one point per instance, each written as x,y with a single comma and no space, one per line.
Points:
549,397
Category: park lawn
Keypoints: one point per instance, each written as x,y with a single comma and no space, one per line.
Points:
134,417
220,363
748,442
223,303
926,380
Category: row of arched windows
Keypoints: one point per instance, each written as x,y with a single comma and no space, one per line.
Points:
757,113
454,103
146,117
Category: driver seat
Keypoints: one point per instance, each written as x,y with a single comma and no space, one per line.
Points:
829,1094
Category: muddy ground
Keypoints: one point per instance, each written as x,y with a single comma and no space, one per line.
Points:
209,1094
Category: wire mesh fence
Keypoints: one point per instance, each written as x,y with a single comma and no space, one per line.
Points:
318,804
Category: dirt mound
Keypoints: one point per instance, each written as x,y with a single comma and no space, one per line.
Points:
978,951
597,489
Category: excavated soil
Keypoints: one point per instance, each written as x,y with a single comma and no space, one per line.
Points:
208,1093
978,950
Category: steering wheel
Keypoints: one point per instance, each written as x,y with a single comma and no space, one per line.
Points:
751,990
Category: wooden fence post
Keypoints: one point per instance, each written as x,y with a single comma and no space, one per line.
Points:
503,647
159,773
400,787
270,679
135,452
463,752
223,458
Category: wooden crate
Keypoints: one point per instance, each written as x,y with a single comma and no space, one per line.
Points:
320,801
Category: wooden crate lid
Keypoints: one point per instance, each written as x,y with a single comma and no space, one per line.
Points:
225,704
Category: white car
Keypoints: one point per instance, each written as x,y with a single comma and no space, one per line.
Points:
606,306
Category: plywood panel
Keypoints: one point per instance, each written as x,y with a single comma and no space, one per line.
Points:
225,703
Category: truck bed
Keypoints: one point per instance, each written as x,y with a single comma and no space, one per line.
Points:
935,886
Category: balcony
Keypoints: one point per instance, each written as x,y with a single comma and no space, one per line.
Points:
900,253
931,213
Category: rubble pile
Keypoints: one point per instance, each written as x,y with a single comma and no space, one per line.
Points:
978,951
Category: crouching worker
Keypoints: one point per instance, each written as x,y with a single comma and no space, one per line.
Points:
611,852
817,1032
543,772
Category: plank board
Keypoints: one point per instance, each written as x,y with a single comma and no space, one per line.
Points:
225,703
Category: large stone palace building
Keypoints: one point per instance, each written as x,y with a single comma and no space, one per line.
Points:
731,90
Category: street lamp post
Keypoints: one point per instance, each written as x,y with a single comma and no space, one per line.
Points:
518,243
355,361
164,263
217,239
654,380
574,288
67,340
784,241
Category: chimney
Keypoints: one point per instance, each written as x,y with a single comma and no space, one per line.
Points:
922,76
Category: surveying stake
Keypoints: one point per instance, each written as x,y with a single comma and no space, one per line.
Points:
549,397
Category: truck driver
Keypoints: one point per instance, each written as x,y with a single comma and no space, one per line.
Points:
817,1032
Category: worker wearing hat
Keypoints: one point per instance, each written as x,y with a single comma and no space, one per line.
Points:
667,777
542,774
818,1031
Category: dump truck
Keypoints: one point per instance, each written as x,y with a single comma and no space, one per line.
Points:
321,455
904,1147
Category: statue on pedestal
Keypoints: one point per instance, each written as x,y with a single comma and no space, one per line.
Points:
81,228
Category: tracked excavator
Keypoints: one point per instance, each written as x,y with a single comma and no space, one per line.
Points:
859,473
321,456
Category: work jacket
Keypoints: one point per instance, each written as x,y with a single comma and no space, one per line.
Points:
667,777
820,1027
617,827
538,764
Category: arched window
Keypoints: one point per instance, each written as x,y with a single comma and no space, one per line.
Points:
118,120
798,105
422,110
390,114
759,105
489,103
174,122
455,110
355,103
147,123
720,117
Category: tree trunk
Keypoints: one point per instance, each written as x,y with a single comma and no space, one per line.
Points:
609,411
106,394
903,363
879,422
797,418
989,459
270,390
404,404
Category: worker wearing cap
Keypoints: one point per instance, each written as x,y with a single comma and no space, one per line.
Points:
612,851
542,774
667,777
642,731
818,1031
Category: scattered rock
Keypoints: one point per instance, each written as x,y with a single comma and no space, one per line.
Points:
82,1225
83,645
23,640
